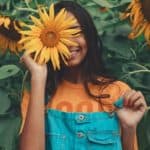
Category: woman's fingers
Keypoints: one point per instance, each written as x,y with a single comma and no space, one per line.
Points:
134,99
139,103
128,97
28,61
35,69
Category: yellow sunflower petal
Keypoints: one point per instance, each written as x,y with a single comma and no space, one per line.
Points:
46,54
140,31
33,45
68,42
5,43
1,20
56,57
59,20
13,46
66,24
51,12
37,22
25,39
33,26
30,33
147,33
41,56
44,17
7,23
37,52
70,31
53,59
63,58
63,49
60,15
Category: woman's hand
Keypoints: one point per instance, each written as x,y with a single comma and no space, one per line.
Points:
34,122
133,109
37,71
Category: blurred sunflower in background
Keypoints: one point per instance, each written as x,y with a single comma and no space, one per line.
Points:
5,21
49,36
139,14
9,35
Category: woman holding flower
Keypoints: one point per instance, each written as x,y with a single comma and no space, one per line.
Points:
86,107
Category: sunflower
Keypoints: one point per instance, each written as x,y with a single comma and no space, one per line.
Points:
5,21
49,36
9,35
138,11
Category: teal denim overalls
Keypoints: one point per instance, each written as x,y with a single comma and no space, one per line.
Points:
82,131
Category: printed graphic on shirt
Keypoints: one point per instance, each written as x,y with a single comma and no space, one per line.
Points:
81,106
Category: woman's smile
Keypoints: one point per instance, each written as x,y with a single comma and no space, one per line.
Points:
74,52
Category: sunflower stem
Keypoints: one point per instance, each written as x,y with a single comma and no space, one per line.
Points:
139,66
26,9
23,84
133,52
8,5
135,72
27,3
36,2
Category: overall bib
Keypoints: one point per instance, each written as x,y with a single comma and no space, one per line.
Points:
82,131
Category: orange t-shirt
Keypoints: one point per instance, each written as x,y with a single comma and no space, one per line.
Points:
70,97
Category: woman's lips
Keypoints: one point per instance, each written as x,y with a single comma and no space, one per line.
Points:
74,53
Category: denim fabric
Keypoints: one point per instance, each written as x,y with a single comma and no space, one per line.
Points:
82,131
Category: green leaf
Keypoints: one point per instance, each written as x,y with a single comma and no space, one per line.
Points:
10,123
4,102
111,3
103,3
119,47
8,71
9,132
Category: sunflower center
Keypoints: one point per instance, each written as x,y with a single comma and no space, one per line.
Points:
49,37
145,9
10,33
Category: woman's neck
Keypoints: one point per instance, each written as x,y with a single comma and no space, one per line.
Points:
73,75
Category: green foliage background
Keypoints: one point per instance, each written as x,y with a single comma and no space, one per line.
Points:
129,60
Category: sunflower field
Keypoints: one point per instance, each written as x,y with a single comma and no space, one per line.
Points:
123,26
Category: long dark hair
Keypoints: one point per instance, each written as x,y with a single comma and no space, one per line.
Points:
92,66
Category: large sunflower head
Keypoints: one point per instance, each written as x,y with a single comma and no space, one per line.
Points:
138,11
49,36
9,35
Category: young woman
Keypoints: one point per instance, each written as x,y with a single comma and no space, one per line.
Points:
80,113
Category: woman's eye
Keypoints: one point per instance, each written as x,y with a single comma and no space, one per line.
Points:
78,33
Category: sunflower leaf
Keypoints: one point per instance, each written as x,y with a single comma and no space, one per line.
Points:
4,102
8,71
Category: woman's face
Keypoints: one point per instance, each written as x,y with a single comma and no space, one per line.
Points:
79,52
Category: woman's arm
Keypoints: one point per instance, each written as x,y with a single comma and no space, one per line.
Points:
129,141
33,133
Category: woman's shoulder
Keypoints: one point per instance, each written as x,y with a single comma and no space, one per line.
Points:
117,88
112,83
121,84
